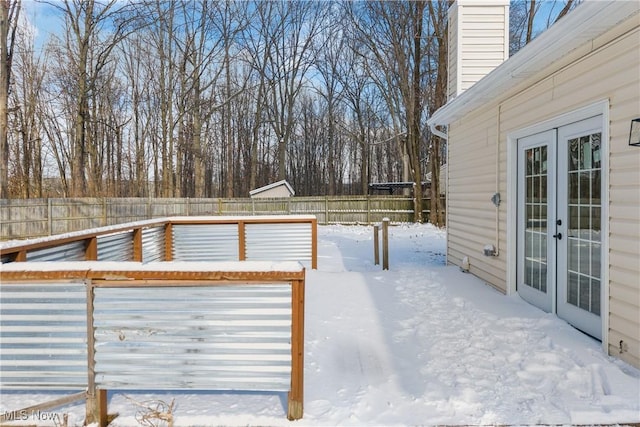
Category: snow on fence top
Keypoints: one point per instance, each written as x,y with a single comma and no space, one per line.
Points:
210,238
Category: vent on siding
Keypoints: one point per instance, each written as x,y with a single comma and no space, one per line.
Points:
222,337
43,336
116,247
211,242
72,251
278,242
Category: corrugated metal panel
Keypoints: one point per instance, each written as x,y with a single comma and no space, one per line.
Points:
43,336
215,338
278,242
73,251
116,247
210,242
153,244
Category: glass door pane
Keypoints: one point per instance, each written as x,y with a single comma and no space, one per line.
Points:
535,250
536,207
580,291
583,231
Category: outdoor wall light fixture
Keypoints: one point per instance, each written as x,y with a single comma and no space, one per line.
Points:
634,133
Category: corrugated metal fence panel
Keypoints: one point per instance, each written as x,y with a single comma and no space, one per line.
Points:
72,251
207,338
205,242
116,247
153,244
43,336
278,242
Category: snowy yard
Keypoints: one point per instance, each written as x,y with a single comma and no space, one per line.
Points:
420,344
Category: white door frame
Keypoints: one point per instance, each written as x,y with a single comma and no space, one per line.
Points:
600,108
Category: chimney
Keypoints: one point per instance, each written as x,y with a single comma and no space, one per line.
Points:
478,41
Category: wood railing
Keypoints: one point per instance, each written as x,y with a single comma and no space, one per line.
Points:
129,276
85,245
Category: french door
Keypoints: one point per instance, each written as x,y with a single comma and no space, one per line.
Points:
559,222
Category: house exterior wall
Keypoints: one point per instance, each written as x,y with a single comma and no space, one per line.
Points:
478,41
452,65
608,68
279,191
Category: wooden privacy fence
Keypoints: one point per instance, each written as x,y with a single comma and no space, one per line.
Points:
213,238
171,326
26,218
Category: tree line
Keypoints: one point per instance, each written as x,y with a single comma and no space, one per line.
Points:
203,98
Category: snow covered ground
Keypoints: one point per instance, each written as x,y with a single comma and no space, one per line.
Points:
419,344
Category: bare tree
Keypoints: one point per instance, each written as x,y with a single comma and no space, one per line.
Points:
9,13
28,80
89,50
329,51
398,52
437,97
293,26
528,18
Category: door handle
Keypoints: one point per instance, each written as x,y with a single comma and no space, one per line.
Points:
558,236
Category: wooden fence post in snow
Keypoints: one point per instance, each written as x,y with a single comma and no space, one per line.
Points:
376,244
385,243
295,405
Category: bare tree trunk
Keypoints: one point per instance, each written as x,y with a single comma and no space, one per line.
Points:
228,131
565,10
531,18
4,100
414,133
9,11
438,17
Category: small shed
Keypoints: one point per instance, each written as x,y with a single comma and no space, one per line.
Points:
276,189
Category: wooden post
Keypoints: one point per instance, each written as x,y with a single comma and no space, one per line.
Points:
103,414
242,241
376,244
295,407
168,242
137,244
326,210
104,212
91,249
385,243
50,216
314,244
21,256
93,403
368,209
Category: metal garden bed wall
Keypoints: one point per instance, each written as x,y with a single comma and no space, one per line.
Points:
99,326
251,238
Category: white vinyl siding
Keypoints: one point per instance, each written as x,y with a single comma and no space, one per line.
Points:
605,69
480,43
452,70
